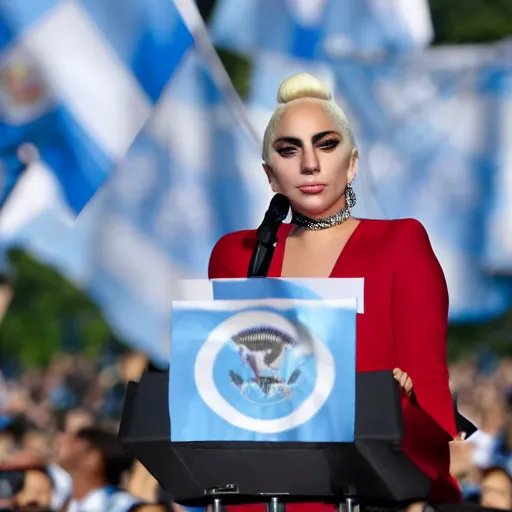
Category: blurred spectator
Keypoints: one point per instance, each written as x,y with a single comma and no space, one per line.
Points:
496,489
12,432
96,461
159,507
40,443
36,495
7,443
502,448
76,419
141,483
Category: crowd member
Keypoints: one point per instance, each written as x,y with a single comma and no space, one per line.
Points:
96,461
36,495
496,489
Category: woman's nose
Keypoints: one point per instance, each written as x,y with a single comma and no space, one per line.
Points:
310,163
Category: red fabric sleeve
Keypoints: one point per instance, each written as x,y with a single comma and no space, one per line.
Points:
218,266
231,255
420,318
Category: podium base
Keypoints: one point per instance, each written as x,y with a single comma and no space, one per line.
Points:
349,505
276,505
217,505
235,473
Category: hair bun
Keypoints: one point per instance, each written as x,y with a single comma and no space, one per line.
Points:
302,85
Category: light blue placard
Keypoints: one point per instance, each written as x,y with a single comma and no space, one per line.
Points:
263,370
241,289
294,288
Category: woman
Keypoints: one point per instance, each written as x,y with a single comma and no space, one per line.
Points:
310,156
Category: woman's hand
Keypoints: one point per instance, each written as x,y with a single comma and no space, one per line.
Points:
404,380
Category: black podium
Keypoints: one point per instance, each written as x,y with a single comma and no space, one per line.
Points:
372,468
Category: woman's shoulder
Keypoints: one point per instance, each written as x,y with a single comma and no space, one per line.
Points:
231,254
398,239
237,240
399,229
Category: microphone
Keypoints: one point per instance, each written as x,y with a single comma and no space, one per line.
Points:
266,236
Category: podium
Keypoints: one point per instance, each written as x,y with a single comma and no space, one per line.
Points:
373,468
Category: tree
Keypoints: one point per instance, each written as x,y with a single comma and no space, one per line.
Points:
48,314
471,21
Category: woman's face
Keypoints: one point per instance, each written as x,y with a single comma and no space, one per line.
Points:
310,159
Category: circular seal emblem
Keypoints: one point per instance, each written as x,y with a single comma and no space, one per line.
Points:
24,96
260,370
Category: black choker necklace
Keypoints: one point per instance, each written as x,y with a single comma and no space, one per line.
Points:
317,224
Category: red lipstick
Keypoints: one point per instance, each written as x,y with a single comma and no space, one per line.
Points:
314,188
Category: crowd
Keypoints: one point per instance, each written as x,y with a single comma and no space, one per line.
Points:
483,463
60,426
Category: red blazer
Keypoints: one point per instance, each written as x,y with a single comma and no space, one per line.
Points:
403,326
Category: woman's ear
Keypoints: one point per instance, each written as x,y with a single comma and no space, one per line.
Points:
270,177
352,166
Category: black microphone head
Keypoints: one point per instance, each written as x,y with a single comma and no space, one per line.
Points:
276,213
279,206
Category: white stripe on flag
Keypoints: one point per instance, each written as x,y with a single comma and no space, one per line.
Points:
416,16
178,125
308,13
36,191
86,74
503,228
136,262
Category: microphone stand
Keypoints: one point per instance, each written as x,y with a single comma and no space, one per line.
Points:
267,236
263,252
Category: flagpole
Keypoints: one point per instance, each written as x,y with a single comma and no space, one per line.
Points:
205,48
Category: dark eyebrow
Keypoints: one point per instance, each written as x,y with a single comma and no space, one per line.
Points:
297,142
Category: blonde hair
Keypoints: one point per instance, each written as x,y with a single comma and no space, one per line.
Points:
305,86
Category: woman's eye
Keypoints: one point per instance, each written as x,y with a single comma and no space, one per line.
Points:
329,144
286,151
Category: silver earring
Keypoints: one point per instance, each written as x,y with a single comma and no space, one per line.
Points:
350,196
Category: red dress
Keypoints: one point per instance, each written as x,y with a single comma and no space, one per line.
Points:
403,326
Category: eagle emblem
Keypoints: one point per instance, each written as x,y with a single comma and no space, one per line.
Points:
263,350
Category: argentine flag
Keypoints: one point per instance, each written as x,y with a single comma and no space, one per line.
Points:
322,29
191,174
78,81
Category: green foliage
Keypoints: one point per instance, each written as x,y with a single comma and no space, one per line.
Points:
467,338
471,21
47,312
205,8
239,70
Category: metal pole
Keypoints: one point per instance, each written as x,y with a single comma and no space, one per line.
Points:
349,505
275,505
218,506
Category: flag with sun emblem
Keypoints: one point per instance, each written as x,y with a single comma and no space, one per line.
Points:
263,370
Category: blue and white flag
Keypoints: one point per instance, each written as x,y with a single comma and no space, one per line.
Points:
78,81
423,125
498,251
186,181
264,370
192,174
319,29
